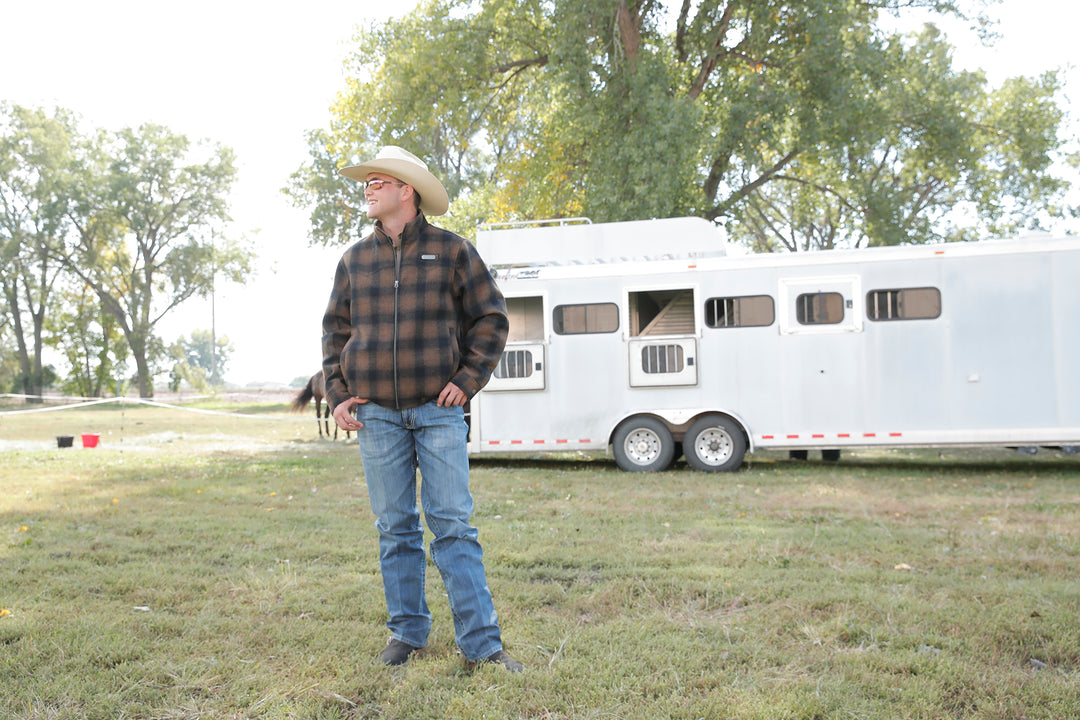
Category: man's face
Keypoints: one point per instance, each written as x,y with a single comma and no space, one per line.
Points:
384,195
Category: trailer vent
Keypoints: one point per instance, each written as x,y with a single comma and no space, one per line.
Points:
515,364
662,359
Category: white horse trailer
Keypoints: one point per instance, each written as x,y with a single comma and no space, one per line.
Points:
648,339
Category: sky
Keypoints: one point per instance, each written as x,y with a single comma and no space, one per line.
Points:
256,77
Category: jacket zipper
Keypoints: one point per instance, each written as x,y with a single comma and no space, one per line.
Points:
397,290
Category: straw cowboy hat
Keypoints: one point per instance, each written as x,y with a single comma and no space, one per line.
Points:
409,169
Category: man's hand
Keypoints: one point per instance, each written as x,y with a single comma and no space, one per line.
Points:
343,414
452,395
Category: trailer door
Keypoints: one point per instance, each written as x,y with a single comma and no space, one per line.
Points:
522,365
821,357
663,338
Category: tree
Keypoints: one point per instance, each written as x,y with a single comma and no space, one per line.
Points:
35,170
149,222
200,361
935,158
746,112
90,341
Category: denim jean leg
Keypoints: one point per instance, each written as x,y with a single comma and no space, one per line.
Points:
444,469
388,454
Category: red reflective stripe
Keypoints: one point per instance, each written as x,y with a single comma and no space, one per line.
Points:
822,436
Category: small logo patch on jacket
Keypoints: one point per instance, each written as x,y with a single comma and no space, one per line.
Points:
428,258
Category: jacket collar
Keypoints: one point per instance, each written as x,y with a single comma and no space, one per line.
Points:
412,230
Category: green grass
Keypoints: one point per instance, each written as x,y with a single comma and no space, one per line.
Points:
201,566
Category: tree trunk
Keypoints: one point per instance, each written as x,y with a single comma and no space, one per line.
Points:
31,381
145,380
146,383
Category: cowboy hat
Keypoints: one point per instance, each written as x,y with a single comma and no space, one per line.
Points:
409,169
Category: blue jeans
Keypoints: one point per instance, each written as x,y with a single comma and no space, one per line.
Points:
393,443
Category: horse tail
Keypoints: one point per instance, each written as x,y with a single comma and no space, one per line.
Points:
303,398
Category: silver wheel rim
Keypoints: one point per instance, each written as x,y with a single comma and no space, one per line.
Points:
642,446
713,446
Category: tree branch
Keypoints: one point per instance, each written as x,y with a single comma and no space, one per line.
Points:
519,65
709,63
680,32
745,190
629,26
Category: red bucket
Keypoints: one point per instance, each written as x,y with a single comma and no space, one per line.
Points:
89,441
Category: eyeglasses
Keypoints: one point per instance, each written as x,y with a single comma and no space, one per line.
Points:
377,184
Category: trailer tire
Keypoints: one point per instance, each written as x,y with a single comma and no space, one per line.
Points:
714,443
643,444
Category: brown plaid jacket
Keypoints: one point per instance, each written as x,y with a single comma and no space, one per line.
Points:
400,324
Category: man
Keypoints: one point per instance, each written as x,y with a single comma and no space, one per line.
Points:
414,328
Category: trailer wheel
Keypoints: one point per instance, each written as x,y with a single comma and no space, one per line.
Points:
714,444
643,444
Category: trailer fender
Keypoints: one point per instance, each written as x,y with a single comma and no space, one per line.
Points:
679,422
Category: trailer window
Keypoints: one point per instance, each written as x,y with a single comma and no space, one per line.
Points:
662,312
906,304
662,359
526,318
825,308
748,311
582,319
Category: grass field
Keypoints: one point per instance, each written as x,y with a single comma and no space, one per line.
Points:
209,566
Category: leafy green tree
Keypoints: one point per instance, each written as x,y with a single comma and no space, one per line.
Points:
35,168
90,341
9,362
148,231
936,157
754,113
200,361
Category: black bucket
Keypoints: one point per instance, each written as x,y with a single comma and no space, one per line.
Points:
64,440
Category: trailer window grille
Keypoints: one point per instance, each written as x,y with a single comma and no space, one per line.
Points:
585,319
824,308
904,304
661,359
515,364
748,311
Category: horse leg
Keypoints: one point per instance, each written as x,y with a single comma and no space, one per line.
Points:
327,423
318,416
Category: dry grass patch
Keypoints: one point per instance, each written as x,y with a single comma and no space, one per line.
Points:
199,567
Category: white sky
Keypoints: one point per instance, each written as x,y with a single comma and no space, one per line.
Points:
255,77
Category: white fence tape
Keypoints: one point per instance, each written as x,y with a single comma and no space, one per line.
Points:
90,402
